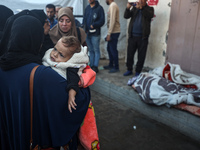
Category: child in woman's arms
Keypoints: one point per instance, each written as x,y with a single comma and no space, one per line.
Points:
69,59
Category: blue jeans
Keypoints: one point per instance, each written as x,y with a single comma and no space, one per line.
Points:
112,51
93,46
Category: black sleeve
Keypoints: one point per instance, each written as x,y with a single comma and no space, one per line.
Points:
72,79
148,12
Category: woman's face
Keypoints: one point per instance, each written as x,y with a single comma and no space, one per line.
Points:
65,24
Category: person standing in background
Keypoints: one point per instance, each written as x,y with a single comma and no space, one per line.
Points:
58,7
51,11
138,33
93,20
113,25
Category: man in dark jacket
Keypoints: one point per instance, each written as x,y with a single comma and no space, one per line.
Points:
51,11
93,20
139,30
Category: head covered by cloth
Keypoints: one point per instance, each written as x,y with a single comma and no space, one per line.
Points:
56,33
26,37
5,14
39,14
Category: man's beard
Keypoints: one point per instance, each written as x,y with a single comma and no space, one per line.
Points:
50,18
92,2
107,3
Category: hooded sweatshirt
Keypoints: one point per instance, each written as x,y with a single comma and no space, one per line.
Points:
94,16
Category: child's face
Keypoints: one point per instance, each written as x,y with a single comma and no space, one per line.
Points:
60,53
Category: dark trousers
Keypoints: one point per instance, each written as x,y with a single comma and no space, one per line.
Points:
112,51
140,45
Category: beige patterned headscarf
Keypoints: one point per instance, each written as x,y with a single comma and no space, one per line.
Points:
56,33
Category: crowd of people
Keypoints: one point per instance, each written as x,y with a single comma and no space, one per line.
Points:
59,44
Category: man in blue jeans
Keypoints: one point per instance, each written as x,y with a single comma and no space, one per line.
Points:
113,25
93,20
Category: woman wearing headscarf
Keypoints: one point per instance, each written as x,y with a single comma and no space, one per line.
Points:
5,14
41,16
66,27
53,124
7,28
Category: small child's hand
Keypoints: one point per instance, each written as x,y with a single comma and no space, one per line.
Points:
71,100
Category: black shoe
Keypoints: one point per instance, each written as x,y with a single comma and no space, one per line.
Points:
95,69
107,67
128,73
113,70
137,73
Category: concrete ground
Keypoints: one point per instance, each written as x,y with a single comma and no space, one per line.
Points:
115,123
121,127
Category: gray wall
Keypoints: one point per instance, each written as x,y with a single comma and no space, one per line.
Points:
157,40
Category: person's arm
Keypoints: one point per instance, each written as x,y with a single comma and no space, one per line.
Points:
84,20
71,100
72,86
113,13
113,10
72,79
100,22
127,13
148,12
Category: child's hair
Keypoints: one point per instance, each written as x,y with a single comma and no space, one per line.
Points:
71,41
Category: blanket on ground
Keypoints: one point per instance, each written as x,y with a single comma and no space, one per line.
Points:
173,72
172,86
190,108
157,90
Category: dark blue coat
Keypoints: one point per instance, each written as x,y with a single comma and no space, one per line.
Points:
94,16
53,124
